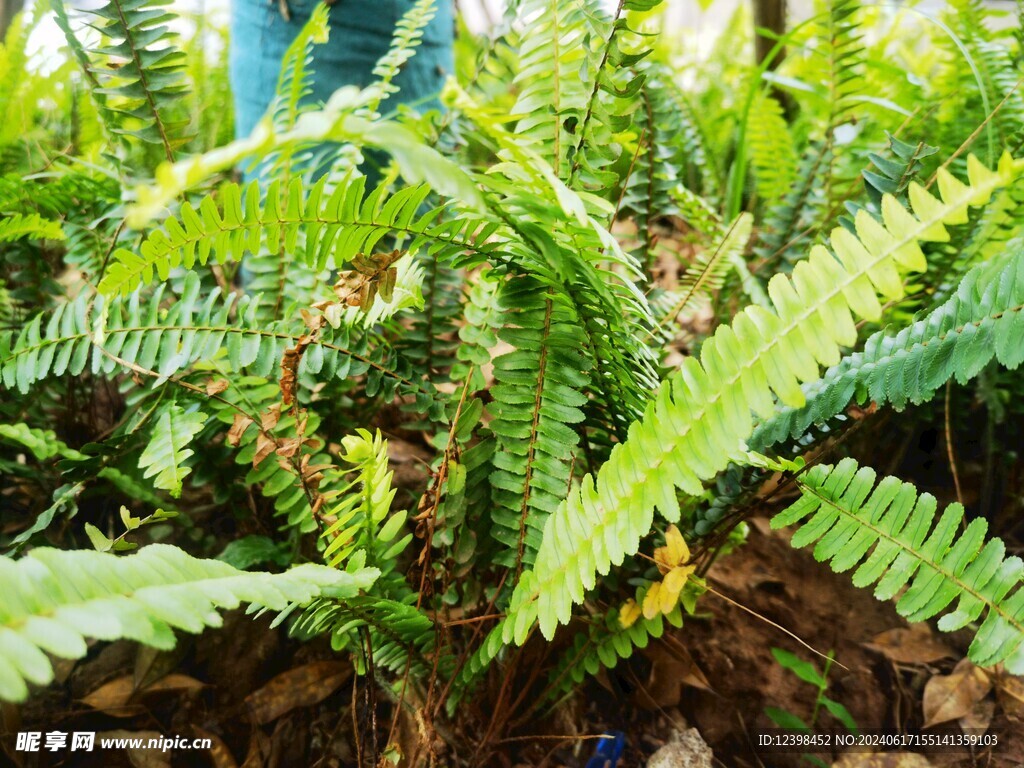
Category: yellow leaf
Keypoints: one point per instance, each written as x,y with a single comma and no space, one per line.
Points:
652,603
676,579
675,552
629,613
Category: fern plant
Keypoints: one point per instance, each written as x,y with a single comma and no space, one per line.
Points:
456,395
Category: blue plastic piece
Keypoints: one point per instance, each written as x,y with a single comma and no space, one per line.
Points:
608,751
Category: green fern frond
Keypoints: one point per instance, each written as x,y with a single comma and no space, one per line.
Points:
772,150
32,226
844,60
982,320
891,534
166,452
432,341
604,644
708,402
43,443
109,117
323,230
149,76
656,164
128,333
537,405
795,220
890,175
54,599
405,40
612,101
338,121
707,272
294,87
16,103
401,634
294,83
555,45
278,481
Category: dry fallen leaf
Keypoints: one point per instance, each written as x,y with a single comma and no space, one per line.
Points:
672,668
952,696
142,757
916,644
116,698
219,753
1010,693
876,760
152,664
112,698
979,718
299,687
260,747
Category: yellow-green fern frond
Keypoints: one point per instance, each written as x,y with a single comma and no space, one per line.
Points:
700,416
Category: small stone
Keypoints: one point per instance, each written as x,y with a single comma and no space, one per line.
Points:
686,749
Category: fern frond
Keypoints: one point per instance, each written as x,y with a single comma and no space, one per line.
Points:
982,320
708,270
611,103
607,641
336,122
537,401
890,175
292,94
127,333
277,480
772,150
432,341
14,71
844,59
656,165
404,42
323,230
401,634
357,510
166,452
891,534
294,83
796,219
109,117
148,75
31,226
55,599
43,443
708,402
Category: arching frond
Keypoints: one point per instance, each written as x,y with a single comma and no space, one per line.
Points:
55,599
982,320
891,534
323,230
